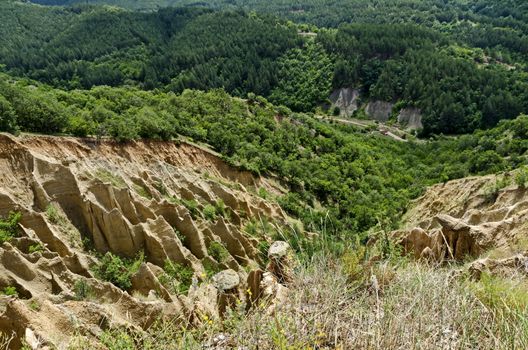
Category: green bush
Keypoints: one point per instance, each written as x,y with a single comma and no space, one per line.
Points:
82,290
117,340
210,212
218,251
9,227
190,204
10,291
492,191
221,208
521,177
53,214
177,277
35,248
112,268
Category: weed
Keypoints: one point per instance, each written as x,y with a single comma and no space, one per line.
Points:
10,291
142,191
180,235
53,214
117,270
9,227
106,176
221,208
210,268
263,193
521,177
35,248
210,212
177,277
82,290
117,340
251,228
34,305
491,193
218,251
191,205
161,188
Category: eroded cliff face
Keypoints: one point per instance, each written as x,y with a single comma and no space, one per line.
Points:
151,197
468,218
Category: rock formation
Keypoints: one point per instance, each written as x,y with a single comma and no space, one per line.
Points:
80,199
379,110
346,99
466,218
410,118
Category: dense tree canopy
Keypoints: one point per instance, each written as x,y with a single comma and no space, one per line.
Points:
462,63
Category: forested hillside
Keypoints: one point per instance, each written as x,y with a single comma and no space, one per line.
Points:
461,64
360,178
482,23
172,48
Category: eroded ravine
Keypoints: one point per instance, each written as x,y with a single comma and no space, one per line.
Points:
81,198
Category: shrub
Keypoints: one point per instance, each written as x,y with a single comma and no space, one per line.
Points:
251,228
492,192
263,193
35,248
177,277
9,227
521,178
210,212
353,264
121,129
190,204
82,290
501,295
107,176
53,214
221,208
10,291
112,268
142,191
81,125
117,340
34,305
210,268
180,235
218,251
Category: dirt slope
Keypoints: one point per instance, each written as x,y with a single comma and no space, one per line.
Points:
77,194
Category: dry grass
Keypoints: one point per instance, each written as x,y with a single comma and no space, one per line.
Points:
415,307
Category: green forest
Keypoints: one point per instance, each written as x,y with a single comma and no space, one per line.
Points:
460,63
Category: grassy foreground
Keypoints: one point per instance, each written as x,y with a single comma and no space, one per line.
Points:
344,303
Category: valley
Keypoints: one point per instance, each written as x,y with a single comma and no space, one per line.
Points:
263,175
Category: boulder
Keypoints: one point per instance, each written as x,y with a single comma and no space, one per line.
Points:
226,280
278,250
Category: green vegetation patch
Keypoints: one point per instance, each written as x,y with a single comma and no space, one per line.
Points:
176,277
9,226
117,270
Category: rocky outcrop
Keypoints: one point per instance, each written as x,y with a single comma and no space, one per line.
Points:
466,218
346,99
410,118
379,110
80,196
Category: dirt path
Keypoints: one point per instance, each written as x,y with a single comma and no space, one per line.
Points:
380,127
